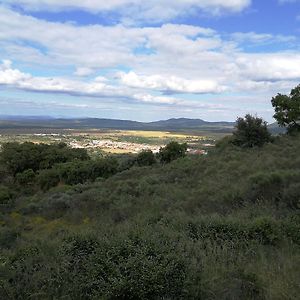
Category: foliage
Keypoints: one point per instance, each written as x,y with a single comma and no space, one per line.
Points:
146,158
172,151
221,226
20,157
77,172
250,132
26,178
287,110
6,198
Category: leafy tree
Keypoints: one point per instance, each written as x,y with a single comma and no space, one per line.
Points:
172,151
145,158
48,178
287,110
20,157
77,171
250,132
26,178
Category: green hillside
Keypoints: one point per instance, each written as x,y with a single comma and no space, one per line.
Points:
221,226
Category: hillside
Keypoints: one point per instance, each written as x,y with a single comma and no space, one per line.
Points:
96,123
221,226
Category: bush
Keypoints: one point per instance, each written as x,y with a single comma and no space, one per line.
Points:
146,158
8,237
26,178
287,110
291,196
172,151
48,178
20,157
76,172
250,132
6,198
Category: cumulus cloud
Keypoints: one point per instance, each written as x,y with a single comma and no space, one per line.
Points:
95,88
153,10
170,84
261,38
83,71
155,99
151,62
270,67
93,46
17,79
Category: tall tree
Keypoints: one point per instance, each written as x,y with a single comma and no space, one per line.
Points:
250,132
172,151
287,110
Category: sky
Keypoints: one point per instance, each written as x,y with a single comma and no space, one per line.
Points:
147,60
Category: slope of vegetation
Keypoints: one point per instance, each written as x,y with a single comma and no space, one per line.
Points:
221,226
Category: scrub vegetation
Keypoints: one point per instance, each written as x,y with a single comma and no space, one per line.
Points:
172,226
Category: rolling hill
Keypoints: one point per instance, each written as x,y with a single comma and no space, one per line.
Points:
97,123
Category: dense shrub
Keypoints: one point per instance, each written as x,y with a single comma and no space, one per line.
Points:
221,226
20,157
287,110
172,151
77,172
8,237
48,178
146,158
6,198
26,178
250,132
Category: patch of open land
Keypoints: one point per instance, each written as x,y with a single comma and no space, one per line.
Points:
111,141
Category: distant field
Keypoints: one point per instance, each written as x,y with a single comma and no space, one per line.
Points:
111,141
155,134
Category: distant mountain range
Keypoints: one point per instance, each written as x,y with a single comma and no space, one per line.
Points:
15,122
179,124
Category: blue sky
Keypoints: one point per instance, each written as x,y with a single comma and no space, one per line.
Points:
147,60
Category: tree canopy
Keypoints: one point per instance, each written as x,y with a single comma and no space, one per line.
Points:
172,151
251,131
145,158
287,110
20,157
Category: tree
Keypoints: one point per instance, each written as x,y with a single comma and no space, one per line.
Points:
287,110
250,132
26,178
171,152
20,157
145,158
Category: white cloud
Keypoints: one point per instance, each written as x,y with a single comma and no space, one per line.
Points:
170,84
151,62
270,67
96,88
261,38
188,59
154,10
83,71
155,99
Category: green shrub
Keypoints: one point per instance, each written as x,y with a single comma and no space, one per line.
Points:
20,157
250,132
6,198
172,151
291,195
8,237
26,178
146,158
48,178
